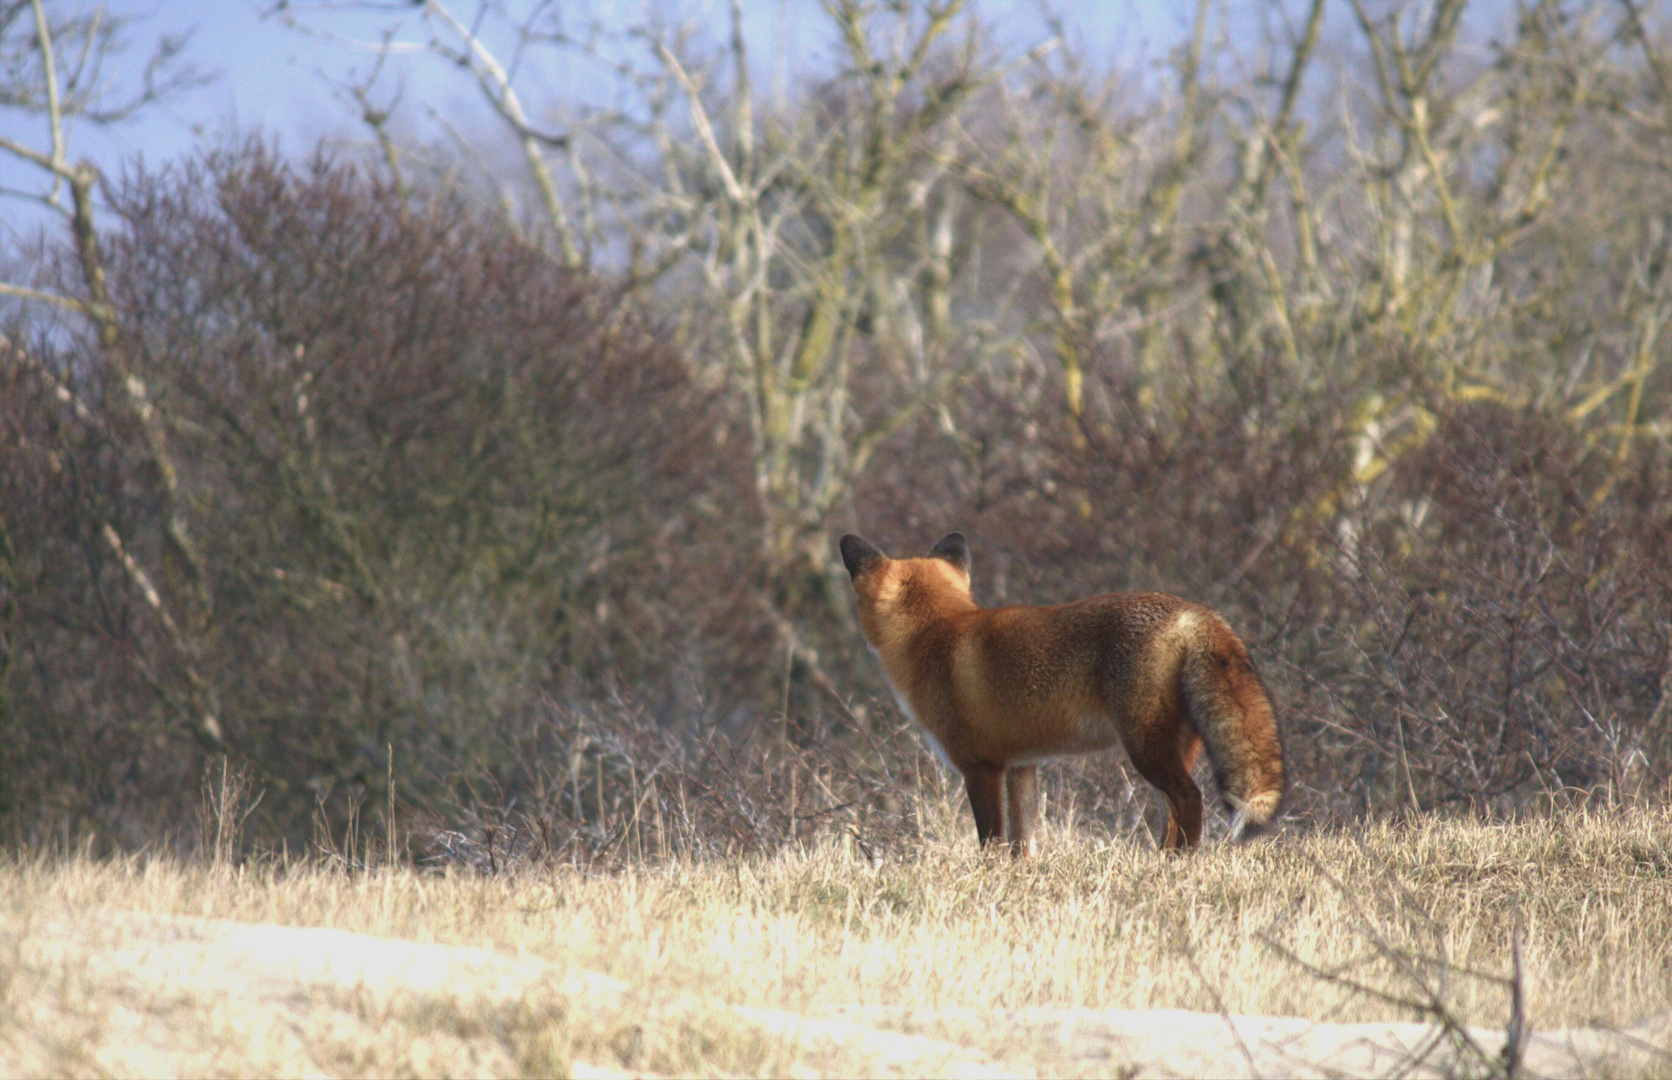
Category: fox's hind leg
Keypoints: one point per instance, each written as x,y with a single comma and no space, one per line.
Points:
1166,764
984,784
1190,748
1021,796
1184,823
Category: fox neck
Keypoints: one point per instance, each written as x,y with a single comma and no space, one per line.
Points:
916,652
899,620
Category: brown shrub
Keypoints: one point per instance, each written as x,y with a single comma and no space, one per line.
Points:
432,475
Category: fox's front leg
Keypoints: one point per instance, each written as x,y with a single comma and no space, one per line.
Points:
1021,796
984,784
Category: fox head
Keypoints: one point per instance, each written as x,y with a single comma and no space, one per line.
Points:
897,596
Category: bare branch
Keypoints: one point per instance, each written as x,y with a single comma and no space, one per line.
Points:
59,388
43,160
206,726
55,116
699,120
56,299
496,87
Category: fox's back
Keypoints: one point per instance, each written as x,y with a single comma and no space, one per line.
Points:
1111,637
1060,673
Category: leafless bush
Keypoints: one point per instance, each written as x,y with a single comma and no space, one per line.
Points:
431,476
1510,634
227,805
602,784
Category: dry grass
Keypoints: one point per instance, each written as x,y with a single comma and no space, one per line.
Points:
701,961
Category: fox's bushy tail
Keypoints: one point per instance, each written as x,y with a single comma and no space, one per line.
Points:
1227,705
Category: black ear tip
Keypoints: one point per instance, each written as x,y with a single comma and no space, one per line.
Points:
954,549
857,553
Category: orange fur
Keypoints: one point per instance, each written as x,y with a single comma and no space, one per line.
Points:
1001,689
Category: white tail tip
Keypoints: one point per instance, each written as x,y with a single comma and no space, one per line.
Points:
1257,812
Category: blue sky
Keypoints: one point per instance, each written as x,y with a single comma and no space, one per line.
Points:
277,80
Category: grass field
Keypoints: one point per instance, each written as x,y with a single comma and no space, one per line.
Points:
766,966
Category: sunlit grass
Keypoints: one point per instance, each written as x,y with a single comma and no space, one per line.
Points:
1423,913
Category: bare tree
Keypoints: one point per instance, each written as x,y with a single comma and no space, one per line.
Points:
55,69
797,230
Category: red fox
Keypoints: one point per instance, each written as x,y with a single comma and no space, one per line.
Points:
1000,689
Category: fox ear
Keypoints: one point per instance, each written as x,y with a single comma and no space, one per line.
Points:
858,554
954,549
